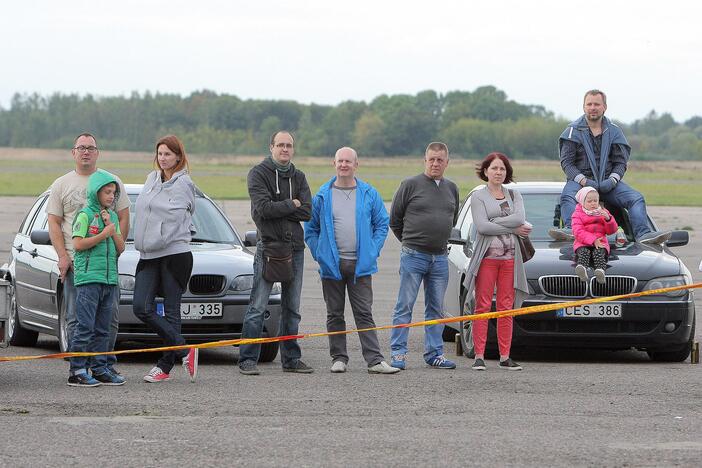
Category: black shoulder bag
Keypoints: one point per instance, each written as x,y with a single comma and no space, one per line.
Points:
525,245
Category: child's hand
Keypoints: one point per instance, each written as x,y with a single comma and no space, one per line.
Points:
600,243
606,214
109,230
105,217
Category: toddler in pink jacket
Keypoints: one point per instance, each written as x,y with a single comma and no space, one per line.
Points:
591,224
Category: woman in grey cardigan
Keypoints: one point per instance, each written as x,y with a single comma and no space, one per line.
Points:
498,214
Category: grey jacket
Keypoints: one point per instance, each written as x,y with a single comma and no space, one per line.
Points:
489,223
164,211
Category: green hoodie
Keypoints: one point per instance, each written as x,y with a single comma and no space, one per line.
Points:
99,264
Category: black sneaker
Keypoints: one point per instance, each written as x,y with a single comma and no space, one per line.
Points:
479,364
298,367
248,367
82,380
108,378
114,371
509,364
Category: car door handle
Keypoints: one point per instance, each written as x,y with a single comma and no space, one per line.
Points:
18,248
33,253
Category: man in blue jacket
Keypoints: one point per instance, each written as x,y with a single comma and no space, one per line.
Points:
594,152
347,230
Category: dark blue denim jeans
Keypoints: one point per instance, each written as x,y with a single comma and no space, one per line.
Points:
622,196
417,268
152,276
290,310
94,309
69,295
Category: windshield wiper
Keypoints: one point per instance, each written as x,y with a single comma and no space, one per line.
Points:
205,241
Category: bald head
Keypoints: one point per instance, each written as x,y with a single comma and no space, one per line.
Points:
346,163
346,152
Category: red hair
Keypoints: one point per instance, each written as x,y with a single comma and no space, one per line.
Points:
482,167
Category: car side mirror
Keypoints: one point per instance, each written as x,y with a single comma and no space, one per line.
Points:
678,239
250,239
40,237
455,237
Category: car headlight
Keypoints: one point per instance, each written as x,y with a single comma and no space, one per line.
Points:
126,282
669,282
242,283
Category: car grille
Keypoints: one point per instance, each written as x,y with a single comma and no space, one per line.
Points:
206,284
563,286
613,286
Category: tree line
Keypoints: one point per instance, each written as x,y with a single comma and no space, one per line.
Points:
471,123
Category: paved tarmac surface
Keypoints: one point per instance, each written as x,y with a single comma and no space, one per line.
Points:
567,408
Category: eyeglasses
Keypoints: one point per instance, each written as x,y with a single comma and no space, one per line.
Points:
89,149
284,145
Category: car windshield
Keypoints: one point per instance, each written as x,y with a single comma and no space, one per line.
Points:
210,225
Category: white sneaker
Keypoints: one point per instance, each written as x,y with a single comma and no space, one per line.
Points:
600,275
338,367
383,368
581,271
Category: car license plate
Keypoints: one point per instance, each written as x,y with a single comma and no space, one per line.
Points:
605,310
200,310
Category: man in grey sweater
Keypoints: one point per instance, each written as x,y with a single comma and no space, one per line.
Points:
424,209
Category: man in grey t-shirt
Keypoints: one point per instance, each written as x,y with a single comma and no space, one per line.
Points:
424,209
348,228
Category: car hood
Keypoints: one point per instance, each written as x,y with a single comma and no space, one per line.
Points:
222,259
634,259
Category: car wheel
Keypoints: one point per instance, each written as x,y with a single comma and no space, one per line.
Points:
466,330
62,327
18,336
676,354
268,352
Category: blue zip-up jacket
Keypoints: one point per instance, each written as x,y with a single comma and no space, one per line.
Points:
371,230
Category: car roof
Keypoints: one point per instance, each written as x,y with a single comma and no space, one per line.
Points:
532,187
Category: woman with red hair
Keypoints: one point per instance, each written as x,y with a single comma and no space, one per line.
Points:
162,236
498,214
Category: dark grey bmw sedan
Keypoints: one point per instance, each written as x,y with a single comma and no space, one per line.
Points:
661,325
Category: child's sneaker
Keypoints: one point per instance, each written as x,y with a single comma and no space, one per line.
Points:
581,271
108,378
156,375
82,380
600,275
190,363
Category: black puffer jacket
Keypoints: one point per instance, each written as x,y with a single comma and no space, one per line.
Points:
272,207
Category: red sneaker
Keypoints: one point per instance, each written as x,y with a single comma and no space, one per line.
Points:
156,375
190,363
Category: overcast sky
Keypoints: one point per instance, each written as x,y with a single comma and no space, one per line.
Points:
644,54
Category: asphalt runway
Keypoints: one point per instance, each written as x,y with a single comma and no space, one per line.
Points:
567,408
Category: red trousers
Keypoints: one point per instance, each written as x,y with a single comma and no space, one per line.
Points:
494,273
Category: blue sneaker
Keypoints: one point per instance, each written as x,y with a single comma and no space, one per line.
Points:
82,380
398,361
108,378
440,362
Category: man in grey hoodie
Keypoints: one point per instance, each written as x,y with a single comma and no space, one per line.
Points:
280,200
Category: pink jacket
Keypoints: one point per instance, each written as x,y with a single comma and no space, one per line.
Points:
587,228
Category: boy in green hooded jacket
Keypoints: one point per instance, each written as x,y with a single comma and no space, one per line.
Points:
98,242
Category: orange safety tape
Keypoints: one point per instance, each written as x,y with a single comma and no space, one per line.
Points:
462,318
